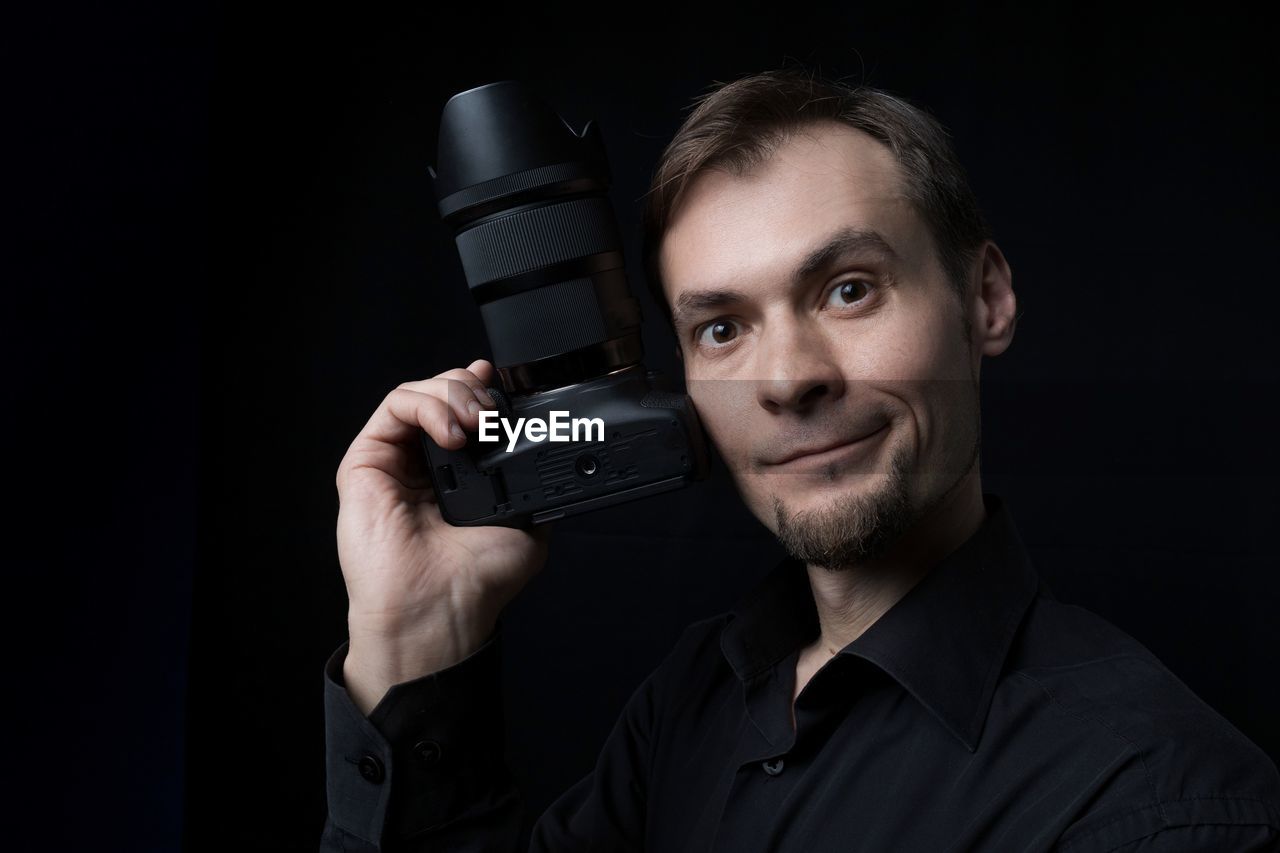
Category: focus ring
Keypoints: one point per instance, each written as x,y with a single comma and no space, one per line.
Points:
535,238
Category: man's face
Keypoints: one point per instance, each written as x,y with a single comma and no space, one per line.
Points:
789,348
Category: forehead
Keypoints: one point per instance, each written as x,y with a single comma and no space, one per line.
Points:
739,230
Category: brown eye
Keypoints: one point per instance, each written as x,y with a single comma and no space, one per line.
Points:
849,292
719,332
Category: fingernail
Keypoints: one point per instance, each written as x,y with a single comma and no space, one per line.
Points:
457,432
473,406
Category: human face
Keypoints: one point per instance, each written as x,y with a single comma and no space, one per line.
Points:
812,312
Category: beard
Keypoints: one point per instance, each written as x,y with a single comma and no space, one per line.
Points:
851,529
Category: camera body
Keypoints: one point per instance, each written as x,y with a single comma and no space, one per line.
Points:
526,197
651,442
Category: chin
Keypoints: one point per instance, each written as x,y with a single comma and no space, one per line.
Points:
798,494
793,486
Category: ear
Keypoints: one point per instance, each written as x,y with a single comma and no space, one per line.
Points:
994,309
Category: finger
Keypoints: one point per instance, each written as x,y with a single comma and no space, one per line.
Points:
460,396
484,373
483,370
404,411
457,388
390,441
469,378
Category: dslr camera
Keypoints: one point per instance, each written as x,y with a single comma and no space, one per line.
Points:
525,196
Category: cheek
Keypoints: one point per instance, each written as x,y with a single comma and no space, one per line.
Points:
919,363
723,406
918,344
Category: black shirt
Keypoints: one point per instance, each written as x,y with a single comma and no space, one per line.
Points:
978,713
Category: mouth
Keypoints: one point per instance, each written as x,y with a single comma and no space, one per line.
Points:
830,453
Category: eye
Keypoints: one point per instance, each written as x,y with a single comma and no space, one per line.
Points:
848,293
717,333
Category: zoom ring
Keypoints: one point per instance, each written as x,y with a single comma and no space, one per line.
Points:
538,237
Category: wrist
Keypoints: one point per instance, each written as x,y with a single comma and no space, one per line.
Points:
394,656
376,663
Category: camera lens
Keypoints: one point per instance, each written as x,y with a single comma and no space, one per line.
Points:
527,199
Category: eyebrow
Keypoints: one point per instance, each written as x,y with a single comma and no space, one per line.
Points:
846,241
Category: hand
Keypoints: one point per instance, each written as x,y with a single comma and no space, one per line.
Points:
423,594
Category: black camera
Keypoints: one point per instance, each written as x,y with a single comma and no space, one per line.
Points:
581,424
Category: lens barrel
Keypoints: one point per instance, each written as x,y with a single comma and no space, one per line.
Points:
527,199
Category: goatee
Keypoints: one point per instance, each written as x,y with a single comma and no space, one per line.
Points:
851,529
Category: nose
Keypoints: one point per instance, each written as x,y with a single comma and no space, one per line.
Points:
800,367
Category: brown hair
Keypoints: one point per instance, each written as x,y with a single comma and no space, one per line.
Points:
738,125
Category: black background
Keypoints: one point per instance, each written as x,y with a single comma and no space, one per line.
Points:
226,253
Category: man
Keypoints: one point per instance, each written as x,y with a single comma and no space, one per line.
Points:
902,682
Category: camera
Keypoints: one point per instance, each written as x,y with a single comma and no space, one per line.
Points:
526,197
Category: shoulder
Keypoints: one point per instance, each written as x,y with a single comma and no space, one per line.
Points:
694,667
698,651
1087,668
1170,759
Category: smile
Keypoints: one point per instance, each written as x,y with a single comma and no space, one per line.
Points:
841,453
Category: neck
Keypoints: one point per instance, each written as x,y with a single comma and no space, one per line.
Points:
851,600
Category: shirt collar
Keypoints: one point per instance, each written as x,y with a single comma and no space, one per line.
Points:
945,641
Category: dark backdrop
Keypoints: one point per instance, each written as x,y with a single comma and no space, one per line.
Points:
229,254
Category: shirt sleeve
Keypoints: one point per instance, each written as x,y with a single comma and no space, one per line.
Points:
1210,838
426,766
426,770
1210,824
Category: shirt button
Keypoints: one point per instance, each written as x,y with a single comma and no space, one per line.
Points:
427,751
773,768
371,769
